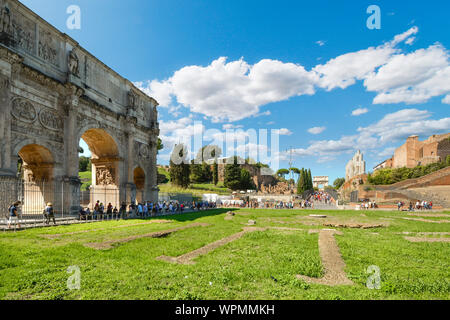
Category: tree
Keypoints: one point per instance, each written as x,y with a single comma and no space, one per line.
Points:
232,178
282,173
179,168
338,183
246,180
84,164
159,146
196,172
215,173
201,168
310,185
301,182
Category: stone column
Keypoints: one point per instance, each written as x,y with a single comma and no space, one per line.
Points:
11,68
71,180
151,187
128,190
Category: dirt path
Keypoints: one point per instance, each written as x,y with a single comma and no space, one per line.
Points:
432,215
57,235
425,220
354,225
332,261
420,239
158,234
188,257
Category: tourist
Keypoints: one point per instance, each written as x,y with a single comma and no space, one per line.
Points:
49,214
122,210
13,214
88,213
109,209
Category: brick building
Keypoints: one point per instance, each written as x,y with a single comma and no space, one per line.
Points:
415,152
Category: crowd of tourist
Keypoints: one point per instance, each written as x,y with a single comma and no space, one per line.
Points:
322,197
420,205
141,209
366,205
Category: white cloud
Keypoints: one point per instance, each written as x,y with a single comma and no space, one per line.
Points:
230,126
393,127
412,78
410,41
234,90
317,130
284,132
388,152
404,36
320,43
359,111
344,70
446,100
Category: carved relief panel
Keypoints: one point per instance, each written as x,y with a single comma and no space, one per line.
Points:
48,48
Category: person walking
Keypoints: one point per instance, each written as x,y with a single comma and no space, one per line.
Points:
49,213
14,214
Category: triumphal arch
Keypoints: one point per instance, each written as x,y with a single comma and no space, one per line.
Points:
54,93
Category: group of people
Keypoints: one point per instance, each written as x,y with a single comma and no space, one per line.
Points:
366,205
141,209
14,214
321,196
420,205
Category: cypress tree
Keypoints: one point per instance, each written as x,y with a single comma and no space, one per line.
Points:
215,173
310,181
301,182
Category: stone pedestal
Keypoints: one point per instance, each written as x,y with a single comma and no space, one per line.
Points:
71,195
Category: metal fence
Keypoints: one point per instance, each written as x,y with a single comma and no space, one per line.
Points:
33,196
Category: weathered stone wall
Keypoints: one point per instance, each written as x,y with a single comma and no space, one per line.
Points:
53,93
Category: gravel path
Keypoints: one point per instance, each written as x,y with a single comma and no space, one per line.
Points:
158,234
332,261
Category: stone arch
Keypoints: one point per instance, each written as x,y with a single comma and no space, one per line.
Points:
106,165
139,176
95,126
38,176
38,163
57,155
139,180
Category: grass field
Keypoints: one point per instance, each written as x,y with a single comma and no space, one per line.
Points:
86,179
197,190
259,265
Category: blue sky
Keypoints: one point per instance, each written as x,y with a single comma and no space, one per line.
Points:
291,65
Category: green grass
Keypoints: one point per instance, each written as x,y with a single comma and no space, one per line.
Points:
86,179
34,267
197,190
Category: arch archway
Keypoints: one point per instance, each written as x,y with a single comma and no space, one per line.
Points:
36,166
105,168
139,181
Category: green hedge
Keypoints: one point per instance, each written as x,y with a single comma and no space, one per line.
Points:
390,176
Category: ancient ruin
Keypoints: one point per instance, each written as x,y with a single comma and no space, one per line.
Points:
419,153
54,93
320,182
356,166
